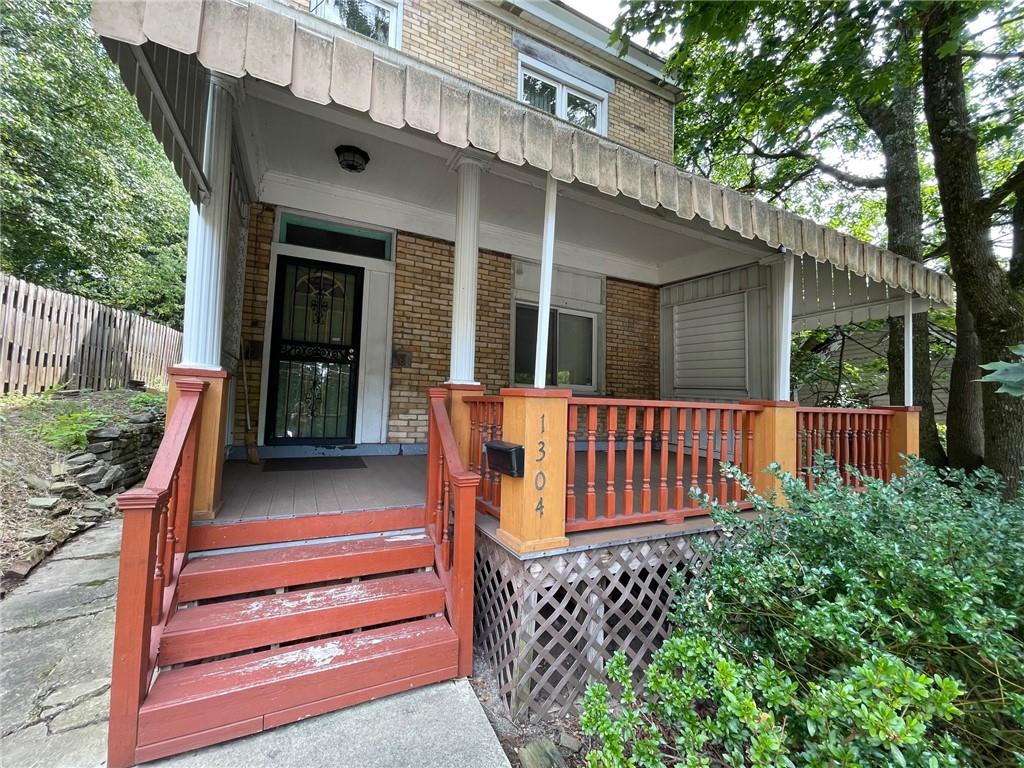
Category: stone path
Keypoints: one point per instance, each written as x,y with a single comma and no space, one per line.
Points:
56,643
55,649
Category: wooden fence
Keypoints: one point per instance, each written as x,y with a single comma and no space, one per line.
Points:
52,339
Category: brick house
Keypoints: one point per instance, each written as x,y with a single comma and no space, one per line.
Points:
427,235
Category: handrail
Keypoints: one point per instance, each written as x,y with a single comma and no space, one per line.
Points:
637,403
451,519
154,549
821,409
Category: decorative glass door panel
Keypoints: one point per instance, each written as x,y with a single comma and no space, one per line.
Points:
314,355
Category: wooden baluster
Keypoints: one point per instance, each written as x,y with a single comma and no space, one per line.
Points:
475,447
869,442
695,448
483,463
886,448
723,449
876,440
570,465
680,453
609,496
664,417
158,568
495,432
738,417
446,493
709,456
171,537
591,462
880,443
627,488
645,487
855,433
439,505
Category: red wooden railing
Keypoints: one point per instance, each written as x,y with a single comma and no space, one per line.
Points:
154,548
451,521
857,438
633,461
485,418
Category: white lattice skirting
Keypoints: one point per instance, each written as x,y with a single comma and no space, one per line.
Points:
548,624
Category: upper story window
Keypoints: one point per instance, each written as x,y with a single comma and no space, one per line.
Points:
377,19
562,95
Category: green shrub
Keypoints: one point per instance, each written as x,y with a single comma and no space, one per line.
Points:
871,628
145,401
67,431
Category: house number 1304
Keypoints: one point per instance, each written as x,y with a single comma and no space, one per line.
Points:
540,480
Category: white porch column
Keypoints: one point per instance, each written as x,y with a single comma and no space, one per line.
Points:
467,249
908,349
208,239
547,262
782,269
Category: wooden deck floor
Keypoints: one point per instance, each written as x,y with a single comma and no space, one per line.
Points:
249,493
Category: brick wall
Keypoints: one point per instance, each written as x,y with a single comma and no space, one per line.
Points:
641,120
462,40
254,308
422,327
632,340
472,44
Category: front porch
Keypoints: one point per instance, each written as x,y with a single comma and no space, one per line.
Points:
623,327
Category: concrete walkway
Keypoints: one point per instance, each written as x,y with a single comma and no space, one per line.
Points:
55,649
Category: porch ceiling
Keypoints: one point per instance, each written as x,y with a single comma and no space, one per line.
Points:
408,185
324,64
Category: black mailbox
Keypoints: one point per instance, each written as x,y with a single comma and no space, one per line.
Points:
506,458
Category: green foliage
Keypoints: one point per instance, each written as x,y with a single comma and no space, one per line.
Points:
145,401
871,628
67,431
90,203
1009,375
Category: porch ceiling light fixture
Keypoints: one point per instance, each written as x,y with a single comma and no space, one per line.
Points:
351,158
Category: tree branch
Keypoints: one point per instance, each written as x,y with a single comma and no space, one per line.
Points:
977,55
874,182
988,205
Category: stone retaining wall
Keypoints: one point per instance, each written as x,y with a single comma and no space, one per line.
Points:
116,458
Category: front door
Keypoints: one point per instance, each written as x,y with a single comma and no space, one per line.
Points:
314,353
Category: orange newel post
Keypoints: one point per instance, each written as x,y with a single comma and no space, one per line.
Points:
206,493
904,436
533,506
458,411
775,442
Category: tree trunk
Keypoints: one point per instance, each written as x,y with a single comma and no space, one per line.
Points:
965,439
895,125
981,281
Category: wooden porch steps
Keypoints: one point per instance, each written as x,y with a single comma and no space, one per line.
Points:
218,629
268,636
264,569
207,703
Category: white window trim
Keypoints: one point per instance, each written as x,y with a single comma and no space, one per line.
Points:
394,31
564,83
595,319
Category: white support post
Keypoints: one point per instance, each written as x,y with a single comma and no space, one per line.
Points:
467,236
782,275
547,262
208,239
908,349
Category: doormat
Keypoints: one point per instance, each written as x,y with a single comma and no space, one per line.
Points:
317,462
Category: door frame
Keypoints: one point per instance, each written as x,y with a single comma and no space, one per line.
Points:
274,384
344,259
